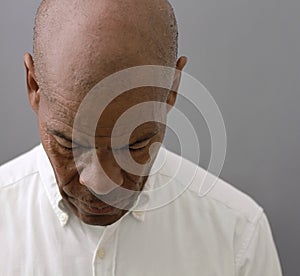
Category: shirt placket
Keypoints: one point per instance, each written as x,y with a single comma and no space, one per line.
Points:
104,260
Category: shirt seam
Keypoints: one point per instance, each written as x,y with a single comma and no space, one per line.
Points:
252,220
53,201
248,238
15,182
249,219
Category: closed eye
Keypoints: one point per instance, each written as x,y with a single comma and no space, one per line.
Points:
139,145
66,144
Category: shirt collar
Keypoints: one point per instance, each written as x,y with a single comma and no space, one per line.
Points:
50,185
145,198
138,211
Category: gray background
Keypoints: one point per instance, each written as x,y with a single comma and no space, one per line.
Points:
247,54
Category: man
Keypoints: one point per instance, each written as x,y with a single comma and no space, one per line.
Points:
69,207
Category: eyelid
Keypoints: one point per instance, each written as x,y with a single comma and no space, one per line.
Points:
62,141
140,144
143,143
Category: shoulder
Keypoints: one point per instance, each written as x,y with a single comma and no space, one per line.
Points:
202,186
211,203
19,168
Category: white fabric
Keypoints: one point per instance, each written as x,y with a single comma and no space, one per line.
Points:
223,233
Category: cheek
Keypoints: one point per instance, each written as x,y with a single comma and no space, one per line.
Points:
133,182
141,156
149,153
61,160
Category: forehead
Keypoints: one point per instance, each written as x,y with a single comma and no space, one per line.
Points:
129,111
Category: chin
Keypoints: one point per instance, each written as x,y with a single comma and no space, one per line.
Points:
100,220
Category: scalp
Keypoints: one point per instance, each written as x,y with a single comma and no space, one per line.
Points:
80,38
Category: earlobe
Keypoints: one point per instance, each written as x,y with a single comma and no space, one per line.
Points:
32,85
171,100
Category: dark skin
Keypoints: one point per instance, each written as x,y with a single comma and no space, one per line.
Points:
56,109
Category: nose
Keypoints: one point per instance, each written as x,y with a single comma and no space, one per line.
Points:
101,173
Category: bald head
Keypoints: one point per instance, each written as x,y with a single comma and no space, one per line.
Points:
77,44
84,41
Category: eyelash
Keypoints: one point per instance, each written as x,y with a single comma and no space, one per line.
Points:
137,149
66,148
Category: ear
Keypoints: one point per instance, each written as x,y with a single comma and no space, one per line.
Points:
171,99
32,85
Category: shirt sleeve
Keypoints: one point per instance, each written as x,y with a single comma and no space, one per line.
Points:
259,256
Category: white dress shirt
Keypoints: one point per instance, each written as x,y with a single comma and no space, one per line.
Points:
223,233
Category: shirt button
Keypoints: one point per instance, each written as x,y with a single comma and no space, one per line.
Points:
138,213
101,253
63,218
